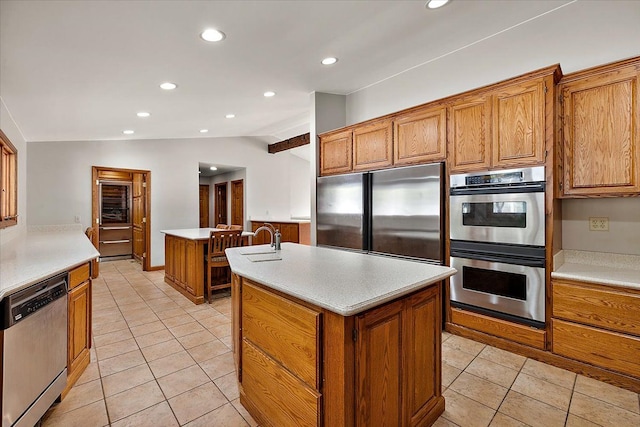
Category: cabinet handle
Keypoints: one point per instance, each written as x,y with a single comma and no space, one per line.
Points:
115,228
111,242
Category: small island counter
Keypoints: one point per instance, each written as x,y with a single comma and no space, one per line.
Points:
325,337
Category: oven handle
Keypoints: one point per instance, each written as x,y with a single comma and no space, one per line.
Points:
527,262
534,187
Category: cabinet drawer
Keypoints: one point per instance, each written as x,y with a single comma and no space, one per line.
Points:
608,350
286,402
115,233
78,275
286,331
603,308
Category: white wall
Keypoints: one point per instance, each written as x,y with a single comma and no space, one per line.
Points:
59,179
578,36
12,132
623,236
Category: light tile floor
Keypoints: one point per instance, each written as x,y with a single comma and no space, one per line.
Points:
158,360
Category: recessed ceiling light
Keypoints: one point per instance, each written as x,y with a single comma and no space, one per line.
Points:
329,61
168,86
212,35
230,116
127,132
204,130
213,168
269,94
434,4
143,114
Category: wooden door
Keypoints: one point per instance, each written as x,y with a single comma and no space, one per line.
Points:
601,115
373,146
379,350
420,136
204,206
139,216
421,373
518,124
469,134
237,202
336,153
220,204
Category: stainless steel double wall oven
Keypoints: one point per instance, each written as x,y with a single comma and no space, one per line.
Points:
497,225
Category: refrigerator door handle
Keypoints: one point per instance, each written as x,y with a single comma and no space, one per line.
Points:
100,203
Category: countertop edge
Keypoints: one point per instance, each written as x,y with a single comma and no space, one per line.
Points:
594,280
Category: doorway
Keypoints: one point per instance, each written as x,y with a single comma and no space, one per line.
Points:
221,203
237,202
140,215
204,206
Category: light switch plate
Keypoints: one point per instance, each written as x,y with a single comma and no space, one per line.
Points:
599,223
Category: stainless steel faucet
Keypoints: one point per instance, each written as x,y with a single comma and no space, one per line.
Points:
267,227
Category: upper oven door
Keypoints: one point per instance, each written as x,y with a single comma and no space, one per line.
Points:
500,217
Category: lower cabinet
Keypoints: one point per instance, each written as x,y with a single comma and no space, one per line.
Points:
598,325
184,266
294,232
301,365
79,324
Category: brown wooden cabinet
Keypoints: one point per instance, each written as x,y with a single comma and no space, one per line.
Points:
600,111
79,324
398,362
597,324
336,153
373,146
505,126
294,232
184,266
469,137
381,367
420,136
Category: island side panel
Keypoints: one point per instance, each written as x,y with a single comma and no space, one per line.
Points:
185,266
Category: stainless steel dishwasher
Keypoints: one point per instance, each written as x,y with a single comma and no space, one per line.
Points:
34,350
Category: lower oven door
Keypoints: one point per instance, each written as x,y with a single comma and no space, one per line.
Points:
514,292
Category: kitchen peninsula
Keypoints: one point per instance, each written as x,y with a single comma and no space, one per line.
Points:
327,337
184,264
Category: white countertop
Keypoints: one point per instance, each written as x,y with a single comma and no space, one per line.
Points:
598,267
197,233
340,281
38,255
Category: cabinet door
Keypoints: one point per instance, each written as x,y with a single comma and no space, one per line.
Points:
169,257
420,136
190,261
79,339
181,262
469,131
261,238
600,132
379,367
518,124
236,315
372,146
336,151
289,232
422,376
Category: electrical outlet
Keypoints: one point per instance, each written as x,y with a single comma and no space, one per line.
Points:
599,223
77,219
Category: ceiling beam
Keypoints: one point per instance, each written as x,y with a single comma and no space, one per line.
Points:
288,144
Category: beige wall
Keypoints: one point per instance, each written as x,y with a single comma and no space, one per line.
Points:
623,236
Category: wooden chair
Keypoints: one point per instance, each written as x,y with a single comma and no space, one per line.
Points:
216,258
222,227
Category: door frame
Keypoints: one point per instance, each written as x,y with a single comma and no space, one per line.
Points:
234,185
95,210
216,205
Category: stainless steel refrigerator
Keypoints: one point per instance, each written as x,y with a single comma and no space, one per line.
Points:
393,212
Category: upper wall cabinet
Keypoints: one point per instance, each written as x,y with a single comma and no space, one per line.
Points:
505,126
420,136
600,129
518,124
373,146
470,134
336,151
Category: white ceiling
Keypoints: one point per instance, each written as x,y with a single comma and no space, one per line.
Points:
80,70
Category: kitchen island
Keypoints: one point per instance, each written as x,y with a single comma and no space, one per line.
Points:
326,337
184,260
